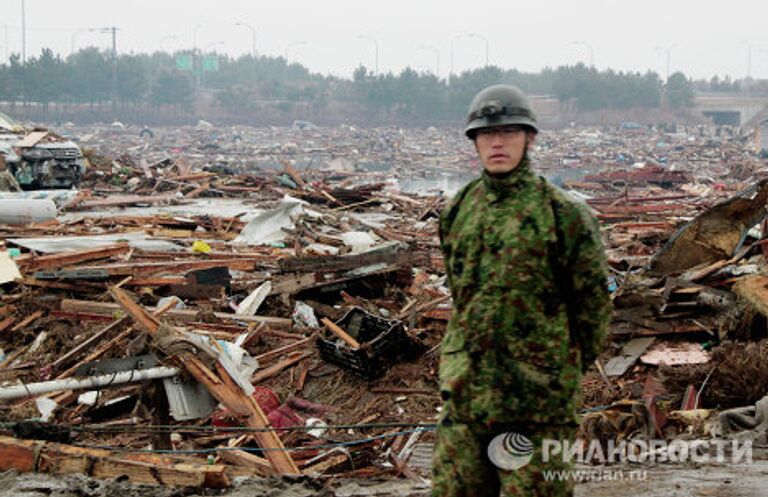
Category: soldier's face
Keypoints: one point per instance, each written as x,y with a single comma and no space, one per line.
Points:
501,148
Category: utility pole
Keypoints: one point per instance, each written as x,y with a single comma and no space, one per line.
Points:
23,32
113,31
668,51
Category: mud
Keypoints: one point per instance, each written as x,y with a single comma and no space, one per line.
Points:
667,480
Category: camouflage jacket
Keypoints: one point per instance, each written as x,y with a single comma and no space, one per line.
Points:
527,273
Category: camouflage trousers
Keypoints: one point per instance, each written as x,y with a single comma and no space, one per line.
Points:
461,466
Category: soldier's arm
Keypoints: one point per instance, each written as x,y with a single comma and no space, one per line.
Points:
589,304
447,216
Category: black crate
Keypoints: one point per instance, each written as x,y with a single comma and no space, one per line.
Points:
382,343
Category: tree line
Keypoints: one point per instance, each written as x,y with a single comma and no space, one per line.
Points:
246,85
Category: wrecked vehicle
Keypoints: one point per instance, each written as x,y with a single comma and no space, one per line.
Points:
40,159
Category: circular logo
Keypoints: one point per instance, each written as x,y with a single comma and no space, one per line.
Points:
510,451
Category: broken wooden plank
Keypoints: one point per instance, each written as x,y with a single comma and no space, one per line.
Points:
629,354
339,332
149,268
32,139
294,174
92,340
120,200
221,386
185,315
28,320
258,465
277,368
282,350
390,253
6,323
64,259
48,457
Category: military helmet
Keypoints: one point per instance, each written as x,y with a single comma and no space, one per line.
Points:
498,105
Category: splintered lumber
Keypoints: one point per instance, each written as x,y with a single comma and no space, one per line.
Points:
30,319
28,456
274,369
341,333
129,200
257,464
148,268
185,315
222,386
294,174
282,350
74,257
93,339
6,323
32,139
391,253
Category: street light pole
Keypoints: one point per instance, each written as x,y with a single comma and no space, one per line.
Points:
194,37
376,47
749,58
437,57
668,51
5,27
475,35
453,48
591,51
23,32
253,36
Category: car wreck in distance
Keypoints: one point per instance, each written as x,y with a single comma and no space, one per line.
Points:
40,159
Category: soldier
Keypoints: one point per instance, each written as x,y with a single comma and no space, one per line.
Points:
7,182
527,274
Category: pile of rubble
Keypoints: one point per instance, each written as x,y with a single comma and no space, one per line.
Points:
219,303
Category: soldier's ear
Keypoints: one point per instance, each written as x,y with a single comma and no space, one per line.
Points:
530,139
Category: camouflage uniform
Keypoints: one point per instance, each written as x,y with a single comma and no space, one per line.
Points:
527,273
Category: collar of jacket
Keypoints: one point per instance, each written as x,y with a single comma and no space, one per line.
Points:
500,187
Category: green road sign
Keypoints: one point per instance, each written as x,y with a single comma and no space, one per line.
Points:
210,63
184,62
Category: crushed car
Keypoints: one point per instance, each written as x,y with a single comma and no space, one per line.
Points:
40,159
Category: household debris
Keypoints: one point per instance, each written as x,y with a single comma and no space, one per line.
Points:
290,285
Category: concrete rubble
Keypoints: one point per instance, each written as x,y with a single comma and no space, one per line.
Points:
214,303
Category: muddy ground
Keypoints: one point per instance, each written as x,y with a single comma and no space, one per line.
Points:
661,480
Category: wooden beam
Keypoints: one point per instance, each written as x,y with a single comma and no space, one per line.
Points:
340,333
183,266
274,369
221,386
185,315
64,259
282,350
396,254
257,464
28,320
47,457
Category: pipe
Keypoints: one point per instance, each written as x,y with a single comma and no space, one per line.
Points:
105,380
26,211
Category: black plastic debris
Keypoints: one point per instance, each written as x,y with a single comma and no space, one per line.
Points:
382,343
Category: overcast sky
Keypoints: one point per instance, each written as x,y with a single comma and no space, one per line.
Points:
708,37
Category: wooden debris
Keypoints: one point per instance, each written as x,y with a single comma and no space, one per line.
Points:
340,333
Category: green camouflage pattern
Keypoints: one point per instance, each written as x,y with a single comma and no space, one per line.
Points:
461,467
527,273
